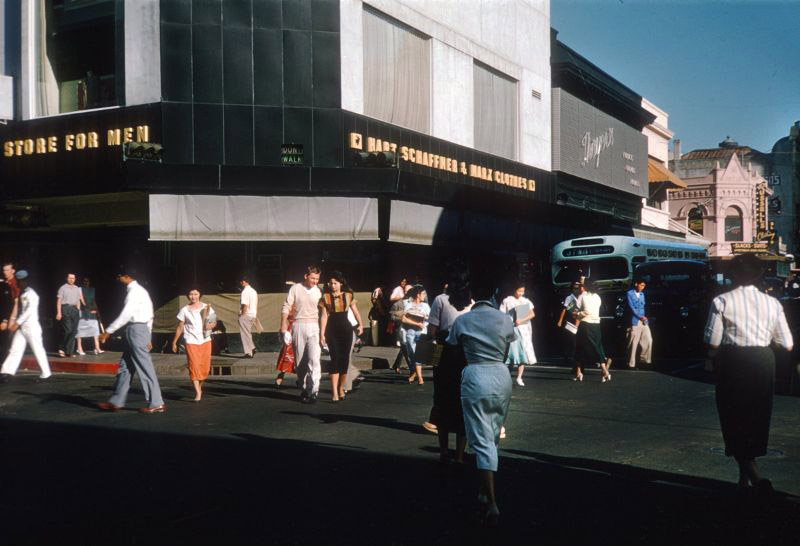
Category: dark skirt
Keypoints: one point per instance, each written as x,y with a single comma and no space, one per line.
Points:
589,344
745,383
447,412
339,335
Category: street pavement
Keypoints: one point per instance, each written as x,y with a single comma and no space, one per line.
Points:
639,460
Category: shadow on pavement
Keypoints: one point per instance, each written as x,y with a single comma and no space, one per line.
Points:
332,418
99,485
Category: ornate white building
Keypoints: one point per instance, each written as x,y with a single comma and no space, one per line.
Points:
726,206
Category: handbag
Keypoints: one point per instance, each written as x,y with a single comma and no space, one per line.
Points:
351,318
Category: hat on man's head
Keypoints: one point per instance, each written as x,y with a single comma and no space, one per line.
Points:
127,270
746,269
21,274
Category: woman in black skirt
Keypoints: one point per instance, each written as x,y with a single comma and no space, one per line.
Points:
336,330
742,324
589,341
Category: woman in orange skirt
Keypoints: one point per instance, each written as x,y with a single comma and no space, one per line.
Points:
195,322
286,356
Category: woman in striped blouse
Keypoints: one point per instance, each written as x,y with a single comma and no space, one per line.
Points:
742,324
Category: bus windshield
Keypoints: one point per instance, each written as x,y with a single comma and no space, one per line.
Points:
601,269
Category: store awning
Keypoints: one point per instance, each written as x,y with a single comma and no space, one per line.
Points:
657,173
262,218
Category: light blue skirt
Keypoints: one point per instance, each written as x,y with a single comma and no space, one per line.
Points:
485,396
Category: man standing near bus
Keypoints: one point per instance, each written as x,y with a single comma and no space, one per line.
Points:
639,333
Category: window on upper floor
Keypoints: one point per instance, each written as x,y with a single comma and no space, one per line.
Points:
733,224
695,220
397,72
495,111
74,55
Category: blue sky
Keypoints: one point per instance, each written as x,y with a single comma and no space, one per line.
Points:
718,68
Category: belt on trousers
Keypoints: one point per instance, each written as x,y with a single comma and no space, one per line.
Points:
68,305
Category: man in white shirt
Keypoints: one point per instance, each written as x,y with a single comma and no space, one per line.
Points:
303,299
137,316
248,308
27,330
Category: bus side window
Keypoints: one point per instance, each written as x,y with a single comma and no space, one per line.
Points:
636,260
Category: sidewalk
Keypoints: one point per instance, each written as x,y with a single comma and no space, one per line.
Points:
168,364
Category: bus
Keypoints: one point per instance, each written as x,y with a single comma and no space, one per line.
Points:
610,260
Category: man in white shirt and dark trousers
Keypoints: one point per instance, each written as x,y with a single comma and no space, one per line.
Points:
137,316
304,337
27,330
248,308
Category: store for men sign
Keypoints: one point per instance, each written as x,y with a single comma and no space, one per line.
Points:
592,145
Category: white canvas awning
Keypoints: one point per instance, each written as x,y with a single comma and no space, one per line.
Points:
262,218
420,224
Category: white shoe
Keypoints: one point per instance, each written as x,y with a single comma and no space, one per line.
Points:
81,353
520,382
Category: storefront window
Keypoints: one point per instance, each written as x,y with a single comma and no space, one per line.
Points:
696,220
75,55
397,67
733,224
495,112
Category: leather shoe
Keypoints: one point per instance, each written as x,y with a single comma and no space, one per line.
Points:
107,406
247,355
159,409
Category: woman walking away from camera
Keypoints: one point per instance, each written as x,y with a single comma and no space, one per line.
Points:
337,331
589,349
742,324
521,310
447,415
195,322
415,324
484,334
89,323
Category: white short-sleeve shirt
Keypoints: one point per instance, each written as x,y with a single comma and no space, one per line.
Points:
193,331
250,299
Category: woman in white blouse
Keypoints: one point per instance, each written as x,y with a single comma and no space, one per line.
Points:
195,322
415,324
589,342
521,310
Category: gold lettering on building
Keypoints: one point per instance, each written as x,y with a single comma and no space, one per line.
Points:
76,141
114,137
442,163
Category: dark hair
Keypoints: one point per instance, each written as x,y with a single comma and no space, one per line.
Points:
339,277
194,288
312,269
414,291
245,278
637,280
483,281
590,285
575,284
458,291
